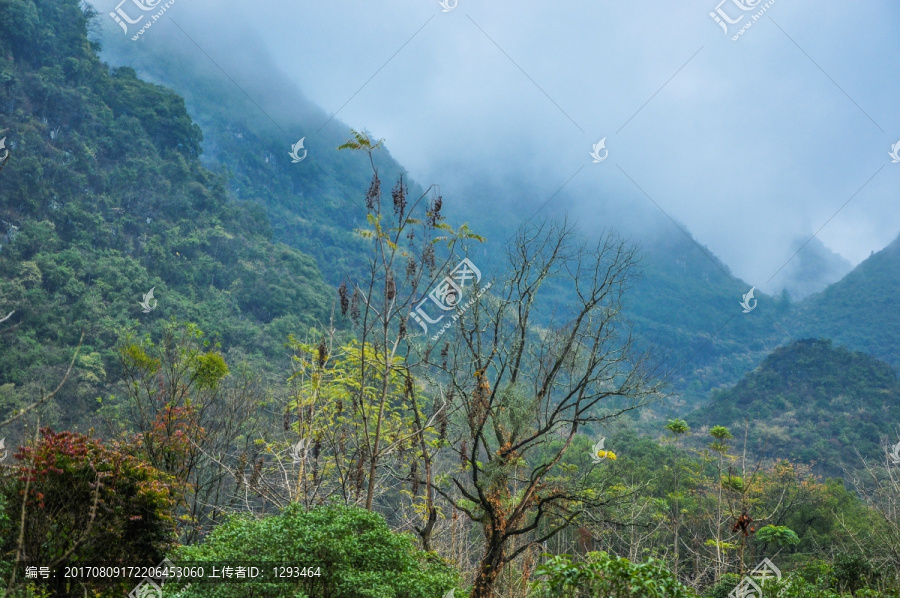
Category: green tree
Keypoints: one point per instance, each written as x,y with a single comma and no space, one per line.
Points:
329,412
779,535
355,552
601,574
191,423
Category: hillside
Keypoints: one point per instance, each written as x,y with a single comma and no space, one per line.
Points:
860,310
104,197
688,307
683,303
812,269
812,401
315,433
250,118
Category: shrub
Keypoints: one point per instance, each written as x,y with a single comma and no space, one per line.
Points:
609,576
86,502
357,554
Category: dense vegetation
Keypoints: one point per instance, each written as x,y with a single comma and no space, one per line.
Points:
259,413
858,311
102,198
801,401
684,301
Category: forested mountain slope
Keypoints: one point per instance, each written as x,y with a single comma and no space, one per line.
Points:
686,301
815,402
103,197
860,310
251,117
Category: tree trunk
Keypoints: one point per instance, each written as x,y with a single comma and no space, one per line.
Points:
489,568
425,532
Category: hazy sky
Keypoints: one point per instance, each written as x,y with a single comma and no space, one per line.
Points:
749,143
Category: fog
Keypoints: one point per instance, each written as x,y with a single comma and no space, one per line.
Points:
749,144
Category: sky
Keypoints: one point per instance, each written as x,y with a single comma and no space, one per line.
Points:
749,143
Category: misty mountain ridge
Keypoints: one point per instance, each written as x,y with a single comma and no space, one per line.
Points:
814,267
860,310
685,301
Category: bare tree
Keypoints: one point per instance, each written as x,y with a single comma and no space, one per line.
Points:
528,387
402,263
879,486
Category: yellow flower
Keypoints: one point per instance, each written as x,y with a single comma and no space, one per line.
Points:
602,454
611,455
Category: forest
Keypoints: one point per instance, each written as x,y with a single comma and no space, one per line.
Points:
363,405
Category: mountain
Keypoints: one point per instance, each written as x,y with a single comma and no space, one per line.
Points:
812,401
250,117
686,301
860,310
813,268
103,197
687,304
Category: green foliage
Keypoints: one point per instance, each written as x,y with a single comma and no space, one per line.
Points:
338,411
733,482
134,356
361,141
795,586
720,433
799,401
852,571
209,370
601,574
724,587
108,198
778,535
849,575
359,556
677,427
